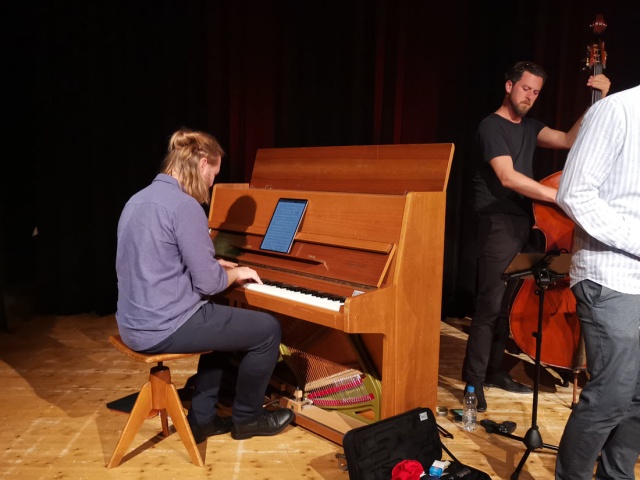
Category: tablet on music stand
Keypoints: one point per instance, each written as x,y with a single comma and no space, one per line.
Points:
284,224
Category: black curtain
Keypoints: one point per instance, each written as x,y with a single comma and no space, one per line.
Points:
96,89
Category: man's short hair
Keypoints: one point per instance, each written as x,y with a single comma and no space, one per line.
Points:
515,73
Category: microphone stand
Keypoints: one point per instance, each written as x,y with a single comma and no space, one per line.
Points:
538,266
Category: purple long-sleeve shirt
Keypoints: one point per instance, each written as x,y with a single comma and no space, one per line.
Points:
165,263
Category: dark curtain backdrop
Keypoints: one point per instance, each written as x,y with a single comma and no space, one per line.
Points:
96,89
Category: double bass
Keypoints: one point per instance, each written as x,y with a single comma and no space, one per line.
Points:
563,346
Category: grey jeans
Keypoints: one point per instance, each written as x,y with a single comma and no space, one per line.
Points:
225,330
606,420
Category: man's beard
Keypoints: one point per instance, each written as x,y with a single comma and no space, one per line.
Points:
521,109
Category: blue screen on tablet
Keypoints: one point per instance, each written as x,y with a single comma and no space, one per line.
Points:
284,224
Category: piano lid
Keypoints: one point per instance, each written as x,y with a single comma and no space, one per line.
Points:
380,169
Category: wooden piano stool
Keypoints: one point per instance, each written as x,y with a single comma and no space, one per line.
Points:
158,395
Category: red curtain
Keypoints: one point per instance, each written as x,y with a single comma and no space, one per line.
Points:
97,89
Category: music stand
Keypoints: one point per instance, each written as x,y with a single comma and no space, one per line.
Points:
546,269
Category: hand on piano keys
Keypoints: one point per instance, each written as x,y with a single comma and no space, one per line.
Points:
243,275
298,294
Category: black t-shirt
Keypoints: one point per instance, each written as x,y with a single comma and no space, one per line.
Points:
497,136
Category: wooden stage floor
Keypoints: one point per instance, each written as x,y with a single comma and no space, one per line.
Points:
59,373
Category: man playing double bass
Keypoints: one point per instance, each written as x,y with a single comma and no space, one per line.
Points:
503,188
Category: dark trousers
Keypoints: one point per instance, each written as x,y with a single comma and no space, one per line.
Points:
499,237
606,420
226,330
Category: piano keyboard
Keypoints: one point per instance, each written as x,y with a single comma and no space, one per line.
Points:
298,294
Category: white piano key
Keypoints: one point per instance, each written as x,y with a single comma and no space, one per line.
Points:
295,296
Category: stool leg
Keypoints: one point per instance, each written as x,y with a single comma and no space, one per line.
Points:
158,395
160,377
138,415
174,408
164,421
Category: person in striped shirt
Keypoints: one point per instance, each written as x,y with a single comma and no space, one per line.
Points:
600,191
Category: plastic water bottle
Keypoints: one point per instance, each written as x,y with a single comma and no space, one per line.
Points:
470,410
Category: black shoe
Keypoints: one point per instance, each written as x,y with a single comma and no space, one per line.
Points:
479,391
269,423
505,382
566,377
218,426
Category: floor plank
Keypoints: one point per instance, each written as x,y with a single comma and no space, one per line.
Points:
60,372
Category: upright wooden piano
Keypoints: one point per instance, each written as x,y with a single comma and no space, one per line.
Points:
372,237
